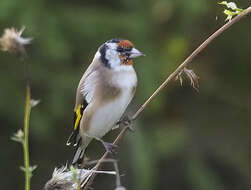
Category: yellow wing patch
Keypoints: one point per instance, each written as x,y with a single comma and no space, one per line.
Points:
78,113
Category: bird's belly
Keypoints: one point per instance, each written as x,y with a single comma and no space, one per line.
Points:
108,114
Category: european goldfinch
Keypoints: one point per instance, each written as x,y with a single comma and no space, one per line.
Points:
103,94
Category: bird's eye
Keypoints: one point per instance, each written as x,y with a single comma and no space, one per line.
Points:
123,50
127,49
120,49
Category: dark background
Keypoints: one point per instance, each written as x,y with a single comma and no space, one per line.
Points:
183,140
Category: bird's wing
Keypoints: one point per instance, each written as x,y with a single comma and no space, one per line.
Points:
78,113
85,93
87,88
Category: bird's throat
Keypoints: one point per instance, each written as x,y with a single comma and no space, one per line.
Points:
128,62
125,60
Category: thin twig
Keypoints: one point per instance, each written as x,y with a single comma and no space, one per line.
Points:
171,77
96,161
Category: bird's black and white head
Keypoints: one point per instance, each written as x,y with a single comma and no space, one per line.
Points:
117,53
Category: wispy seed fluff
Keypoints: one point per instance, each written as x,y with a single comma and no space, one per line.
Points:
12,41
65,179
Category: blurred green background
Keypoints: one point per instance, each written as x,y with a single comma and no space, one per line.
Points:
183,140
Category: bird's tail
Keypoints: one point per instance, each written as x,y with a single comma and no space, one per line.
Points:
79,153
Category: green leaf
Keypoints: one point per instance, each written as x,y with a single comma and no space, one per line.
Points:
229,14
232,10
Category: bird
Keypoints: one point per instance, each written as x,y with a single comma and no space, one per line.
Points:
103,94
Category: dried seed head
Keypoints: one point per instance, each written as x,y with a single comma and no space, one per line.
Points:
179,77
65,179
61,180
12,41
194,79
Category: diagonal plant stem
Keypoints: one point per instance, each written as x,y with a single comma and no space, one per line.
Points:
170,78
26,136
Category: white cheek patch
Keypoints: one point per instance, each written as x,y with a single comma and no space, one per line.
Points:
112,46
112,57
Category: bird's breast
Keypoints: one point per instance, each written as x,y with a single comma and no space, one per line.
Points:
108,113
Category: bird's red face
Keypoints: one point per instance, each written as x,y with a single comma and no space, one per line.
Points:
125,45
118,52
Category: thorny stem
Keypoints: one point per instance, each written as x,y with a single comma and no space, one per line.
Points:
26,136
171,77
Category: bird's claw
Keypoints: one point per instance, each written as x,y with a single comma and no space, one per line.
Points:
131,128
126,122
109,147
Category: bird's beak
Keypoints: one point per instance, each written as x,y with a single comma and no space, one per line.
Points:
135,53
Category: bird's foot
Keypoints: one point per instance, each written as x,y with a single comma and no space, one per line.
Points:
126,121
109,147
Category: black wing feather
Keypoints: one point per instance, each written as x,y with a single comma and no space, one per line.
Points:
75,137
